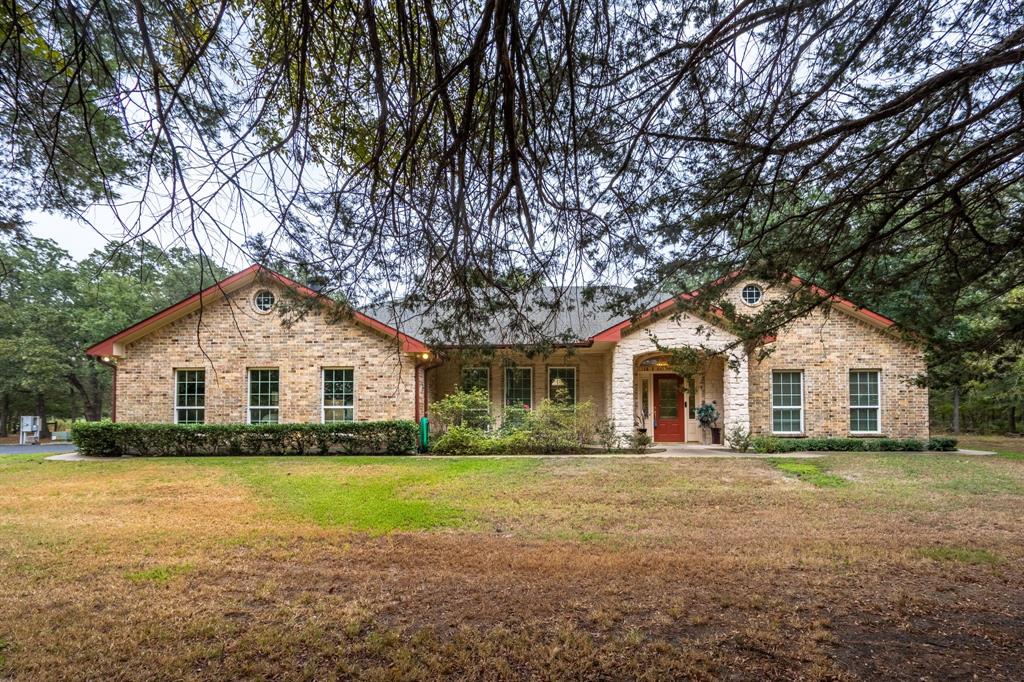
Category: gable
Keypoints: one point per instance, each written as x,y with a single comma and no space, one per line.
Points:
734,295
229,288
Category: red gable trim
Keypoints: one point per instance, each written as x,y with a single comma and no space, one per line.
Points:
842,302
614,333
106,346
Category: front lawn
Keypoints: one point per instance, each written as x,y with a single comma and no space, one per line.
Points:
852,565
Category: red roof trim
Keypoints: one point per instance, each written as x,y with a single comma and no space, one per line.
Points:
614,333
106,346
842,302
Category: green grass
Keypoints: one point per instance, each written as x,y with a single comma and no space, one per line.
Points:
809,471
159,574
960,554
377,495
970,474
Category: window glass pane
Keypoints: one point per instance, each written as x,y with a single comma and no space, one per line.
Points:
786,420
562,385
668,398
190,392
264,395
864,389
787,402
475,378
263,415
864,419
339,395
692,398
518,386
786,389
190,416
864,400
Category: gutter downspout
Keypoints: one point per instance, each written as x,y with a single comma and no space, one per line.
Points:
113,388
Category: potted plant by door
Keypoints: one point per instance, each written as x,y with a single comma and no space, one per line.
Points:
640,421
707,416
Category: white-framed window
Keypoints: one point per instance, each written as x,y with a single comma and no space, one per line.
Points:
787,401
264,300
751,294
338,395
477,379
264,396
189,396
519,387
865,405
562,385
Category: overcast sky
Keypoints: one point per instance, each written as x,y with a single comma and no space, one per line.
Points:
80,238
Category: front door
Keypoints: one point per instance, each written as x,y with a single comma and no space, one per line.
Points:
669,409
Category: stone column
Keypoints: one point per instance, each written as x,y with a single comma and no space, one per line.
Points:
736,393
622,406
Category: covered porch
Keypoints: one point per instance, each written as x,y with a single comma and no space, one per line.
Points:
647,393
666,402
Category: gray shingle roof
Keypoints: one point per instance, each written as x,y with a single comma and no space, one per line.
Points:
564,315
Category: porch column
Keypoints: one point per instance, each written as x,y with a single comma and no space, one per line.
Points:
736,393
622,405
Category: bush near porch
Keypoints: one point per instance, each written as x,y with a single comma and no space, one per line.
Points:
772,445
546,429
109,439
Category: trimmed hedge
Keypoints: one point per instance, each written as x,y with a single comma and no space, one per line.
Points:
770,444
942,443
109,439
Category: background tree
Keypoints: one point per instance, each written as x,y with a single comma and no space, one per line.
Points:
456,157
52,309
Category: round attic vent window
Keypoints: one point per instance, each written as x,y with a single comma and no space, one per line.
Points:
752,294
264,300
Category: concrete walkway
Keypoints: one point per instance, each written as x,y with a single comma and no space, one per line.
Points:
40,449
688,451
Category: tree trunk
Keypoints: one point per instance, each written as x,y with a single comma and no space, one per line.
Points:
92,398
1013,419
5,413
956,410
94,407
44,432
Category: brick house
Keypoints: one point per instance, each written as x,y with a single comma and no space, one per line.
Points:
224,355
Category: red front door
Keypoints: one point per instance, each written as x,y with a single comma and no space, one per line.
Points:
669,409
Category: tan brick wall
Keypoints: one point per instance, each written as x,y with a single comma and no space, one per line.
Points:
590,375
384,377
826,346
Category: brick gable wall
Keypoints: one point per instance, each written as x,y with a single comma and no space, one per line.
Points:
236,337
826,346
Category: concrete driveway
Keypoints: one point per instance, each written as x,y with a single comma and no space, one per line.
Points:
43,449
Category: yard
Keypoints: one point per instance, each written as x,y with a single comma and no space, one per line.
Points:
848,566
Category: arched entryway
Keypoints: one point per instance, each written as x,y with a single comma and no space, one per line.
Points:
666,401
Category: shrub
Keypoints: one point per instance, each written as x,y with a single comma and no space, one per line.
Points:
639,442
739,438
546,429
109,439
462,408
552,427
606,435
771,445
942,443
463,440
766,444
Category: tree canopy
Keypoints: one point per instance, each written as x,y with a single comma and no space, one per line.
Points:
460,155
52,309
